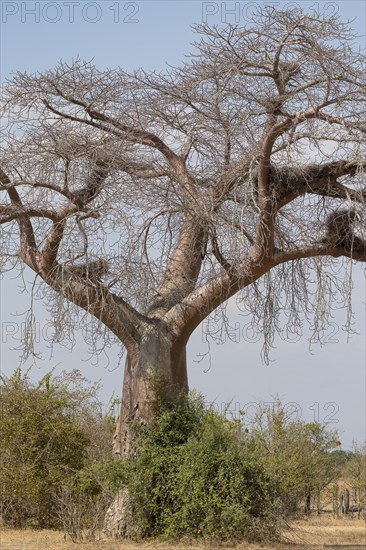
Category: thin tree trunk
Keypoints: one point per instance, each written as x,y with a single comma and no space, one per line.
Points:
308,503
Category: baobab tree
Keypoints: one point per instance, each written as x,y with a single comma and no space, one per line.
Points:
148,200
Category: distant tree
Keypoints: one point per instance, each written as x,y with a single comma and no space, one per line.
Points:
298,455
355,474
148,200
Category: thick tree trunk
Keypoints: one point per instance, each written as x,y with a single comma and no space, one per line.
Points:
156,368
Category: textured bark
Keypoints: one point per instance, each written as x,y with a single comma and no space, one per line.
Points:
118,521
155,369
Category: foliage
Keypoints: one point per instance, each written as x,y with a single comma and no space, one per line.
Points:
215,482
355,472
195,475
45,439
198,473
193,472
298,454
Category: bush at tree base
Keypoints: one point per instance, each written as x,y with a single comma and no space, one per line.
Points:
193,473
197,473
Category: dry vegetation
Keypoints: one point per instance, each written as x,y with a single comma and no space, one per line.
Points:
315,533
325,530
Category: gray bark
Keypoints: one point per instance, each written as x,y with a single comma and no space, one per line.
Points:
155,369
118,520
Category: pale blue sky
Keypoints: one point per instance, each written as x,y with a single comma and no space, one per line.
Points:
328,383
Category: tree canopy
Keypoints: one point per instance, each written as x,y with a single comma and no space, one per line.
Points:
149,199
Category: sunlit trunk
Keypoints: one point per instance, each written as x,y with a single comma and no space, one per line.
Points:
156,369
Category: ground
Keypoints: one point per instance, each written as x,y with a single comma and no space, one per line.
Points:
316,533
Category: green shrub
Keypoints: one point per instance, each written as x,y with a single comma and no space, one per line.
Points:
196,475
43,442
193,472
297,455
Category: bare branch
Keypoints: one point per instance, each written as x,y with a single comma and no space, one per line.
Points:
189,185
28,245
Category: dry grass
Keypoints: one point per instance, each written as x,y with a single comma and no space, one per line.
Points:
315,533
326,530
11,539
